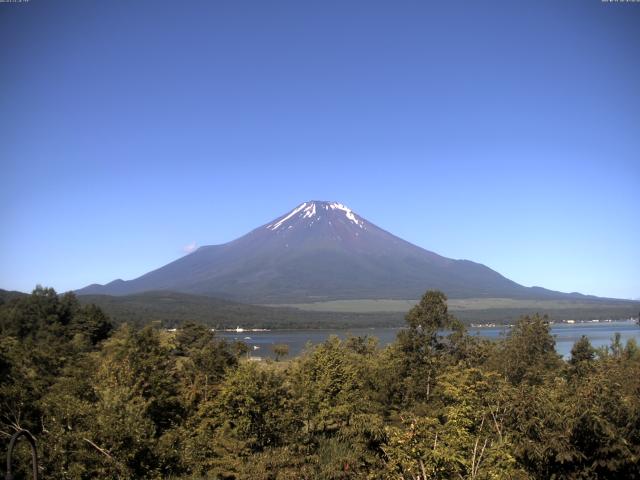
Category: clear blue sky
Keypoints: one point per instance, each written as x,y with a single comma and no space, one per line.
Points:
507,133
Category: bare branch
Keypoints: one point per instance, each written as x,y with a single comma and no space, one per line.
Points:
123,469
422,469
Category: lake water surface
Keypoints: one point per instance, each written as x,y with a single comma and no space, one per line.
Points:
261,343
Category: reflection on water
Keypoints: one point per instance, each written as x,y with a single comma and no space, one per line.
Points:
599,334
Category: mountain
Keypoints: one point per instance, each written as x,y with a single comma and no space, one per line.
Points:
322,251
9,295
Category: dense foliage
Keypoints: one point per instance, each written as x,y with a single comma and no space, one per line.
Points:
436,404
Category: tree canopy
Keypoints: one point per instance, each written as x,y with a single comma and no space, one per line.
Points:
132,402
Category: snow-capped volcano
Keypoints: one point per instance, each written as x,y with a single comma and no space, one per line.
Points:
315,211
316,226
319,251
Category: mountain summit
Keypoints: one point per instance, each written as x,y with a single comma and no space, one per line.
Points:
321,251
314,211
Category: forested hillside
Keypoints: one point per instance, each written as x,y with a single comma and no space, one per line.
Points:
146,403
171,309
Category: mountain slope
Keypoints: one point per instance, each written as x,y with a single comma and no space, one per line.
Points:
321,251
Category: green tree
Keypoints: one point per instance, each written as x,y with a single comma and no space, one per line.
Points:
280,350
136,404
253,411
328,388
465,438
255,403
582,351
422,345
202,362
529,352
47,348
91,322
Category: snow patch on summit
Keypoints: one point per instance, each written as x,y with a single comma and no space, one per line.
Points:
348,213
274,226
311,210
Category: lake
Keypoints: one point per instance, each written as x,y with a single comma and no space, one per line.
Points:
599,334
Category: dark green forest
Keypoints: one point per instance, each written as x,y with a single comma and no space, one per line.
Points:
141,402
171,309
